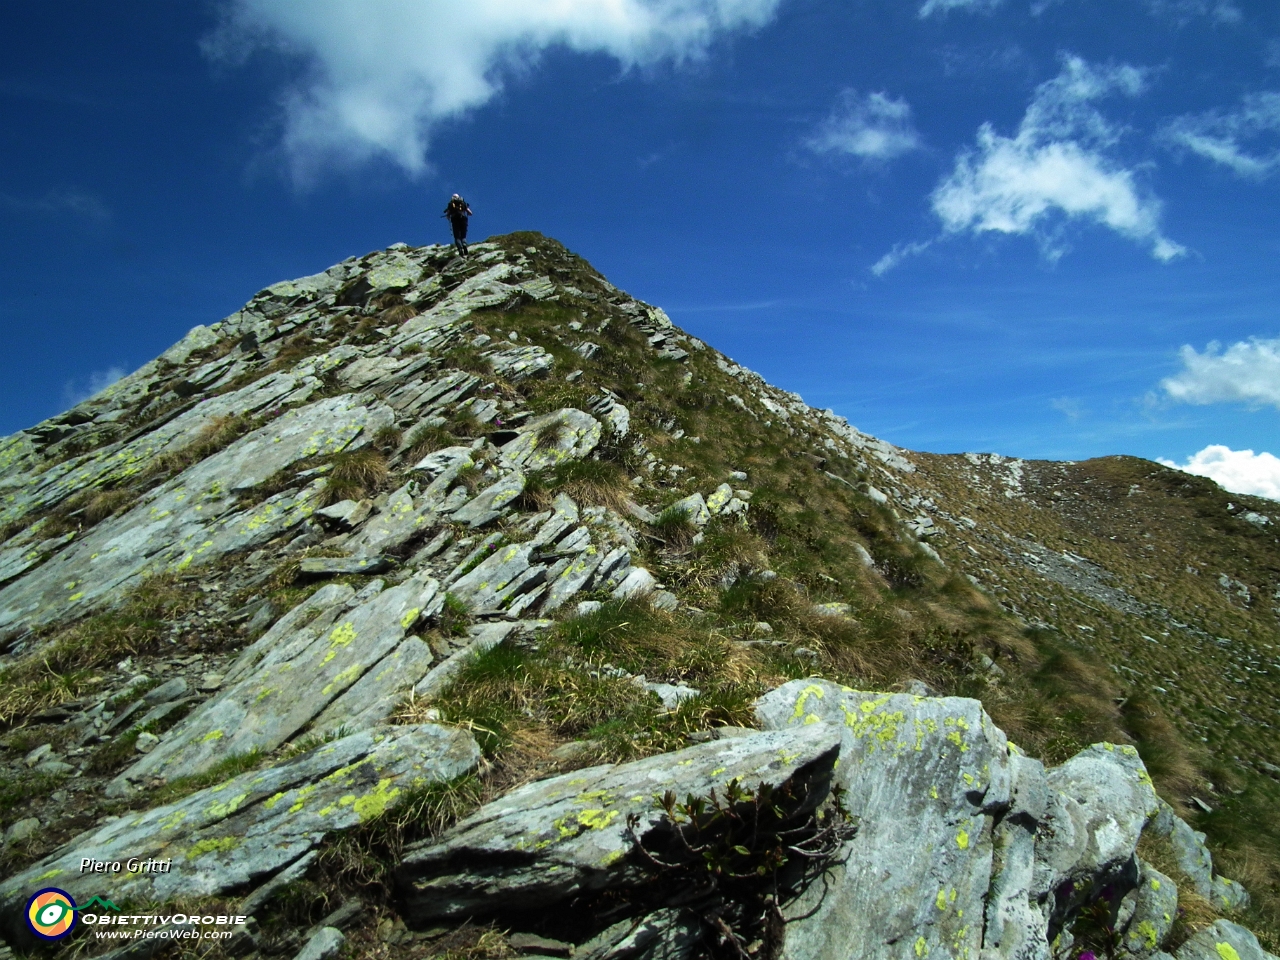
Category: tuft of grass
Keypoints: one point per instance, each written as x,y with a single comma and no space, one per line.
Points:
464,423
224,770
675,528
216,435
397,315
598,482
454,617
106,504
61,666
356,474
549,433
427,439
387,439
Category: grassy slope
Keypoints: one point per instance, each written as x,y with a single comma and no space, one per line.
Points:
1062,686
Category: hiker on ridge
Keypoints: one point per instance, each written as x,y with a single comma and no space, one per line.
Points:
457,211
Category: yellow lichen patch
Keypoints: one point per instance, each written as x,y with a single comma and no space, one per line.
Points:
941,900
922,947
172,820
342,634
377,801
272,801
877,726
212,735
345,678
221,845
48,875
923,726
219,810
301,798
1226,951
962,839
409,617
812,690
597,819
610,858
1150,937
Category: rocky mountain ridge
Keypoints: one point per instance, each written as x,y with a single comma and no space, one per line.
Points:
422,538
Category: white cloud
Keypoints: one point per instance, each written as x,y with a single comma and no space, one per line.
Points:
874,127
1223,11
1239,471
1222,136
1056,164
77,391
931,7
1248,372
380,74
900,252
56,202
1069,407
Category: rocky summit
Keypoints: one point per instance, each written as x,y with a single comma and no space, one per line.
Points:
467,607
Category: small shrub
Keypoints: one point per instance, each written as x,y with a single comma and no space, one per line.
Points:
454,617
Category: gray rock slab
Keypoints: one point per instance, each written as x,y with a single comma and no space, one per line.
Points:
492,581
1155,909
491,502
434,464
399,520
1015,925
247,828
636,583
373,698
720,498
572,579
323,944
176,525
539,448
517,363
564,514
1195,860
1223,940
695,508
284,694
1099,802
338,566
317,611
568,835
924,777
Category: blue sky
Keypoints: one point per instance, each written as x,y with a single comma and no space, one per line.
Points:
1044,228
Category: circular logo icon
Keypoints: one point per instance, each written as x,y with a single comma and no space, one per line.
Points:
51,913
